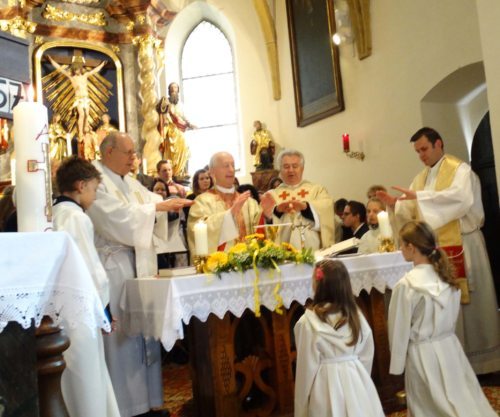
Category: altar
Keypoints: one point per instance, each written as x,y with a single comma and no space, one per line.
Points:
234,363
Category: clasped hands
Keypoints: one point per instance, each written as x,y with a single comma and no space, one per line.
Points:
390,200
291,206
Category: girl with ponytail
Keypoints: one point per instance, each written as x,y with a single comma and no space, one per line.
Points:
334,351
423,313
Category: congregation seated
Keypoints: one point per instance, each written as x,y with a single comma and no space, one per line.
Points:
372,191
165,172
341,232
369,242
202,181
354,217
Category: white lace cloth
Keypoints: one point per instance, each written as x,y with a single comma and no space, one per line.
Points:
44,274
158,307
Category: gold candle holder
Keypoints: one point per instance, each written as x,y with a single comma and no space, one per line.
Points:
386,245
199,262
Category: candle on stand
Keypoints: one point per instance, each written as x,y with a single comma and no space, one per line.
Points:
33,199
68,144
384,225
13,171
144,166
345,142
200,238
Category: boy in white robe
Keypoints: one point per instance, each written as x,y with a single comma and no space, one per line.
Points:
439,379
86,385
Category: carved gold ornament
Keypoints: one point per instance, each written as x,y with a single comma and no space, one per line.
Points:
60,15
17,26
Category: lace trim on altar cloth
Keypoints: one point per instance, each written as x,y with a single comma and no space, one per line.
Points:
66,306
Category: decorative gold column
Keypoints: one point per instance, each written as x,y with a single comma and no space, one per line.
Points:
147,43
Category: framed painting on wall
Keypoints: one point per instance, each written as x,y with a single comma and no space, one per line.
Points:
315,60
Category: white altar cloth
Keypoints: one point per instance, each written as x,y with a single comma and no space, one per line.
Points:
44,274
157,307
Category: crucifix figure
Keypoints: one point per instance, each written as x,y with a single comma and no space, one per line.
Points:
79,81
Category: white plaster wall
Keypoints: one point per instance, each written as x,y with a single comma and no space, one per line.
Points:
415,45
489,16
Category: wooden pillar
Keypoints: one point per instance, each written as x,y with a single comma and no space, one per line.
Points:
51,342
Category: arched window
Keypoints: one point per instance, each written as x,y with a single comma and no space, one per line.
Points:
209,94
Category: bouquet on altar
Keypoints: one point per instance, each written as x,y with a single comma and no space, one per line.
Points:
255,251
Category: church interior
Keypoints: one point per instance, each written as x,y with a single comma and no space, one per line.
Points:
349,103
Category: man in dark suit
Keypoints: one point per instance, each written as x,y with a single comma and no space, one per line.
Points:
354,217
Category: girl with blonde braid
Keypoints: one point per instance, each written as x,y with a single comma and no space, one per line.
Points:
423,313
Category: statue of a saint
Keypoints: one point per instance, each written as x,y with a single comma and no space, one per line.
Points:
58,139
172,126
262,146
79,81
105,128
88,146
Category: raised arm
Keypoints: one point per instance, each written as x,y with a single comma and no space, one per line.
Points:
58,67
96,69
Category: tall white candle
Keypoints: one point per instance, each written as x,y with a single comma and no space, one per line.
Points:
13,171
68,144
200,238
144,166
384,225
32,190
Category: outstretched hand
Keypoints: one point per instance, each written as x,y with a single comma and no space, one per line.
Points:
238,202
267,203
173,204
407,193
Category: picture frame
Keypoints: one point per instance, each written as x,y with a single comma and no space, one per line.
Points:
315,60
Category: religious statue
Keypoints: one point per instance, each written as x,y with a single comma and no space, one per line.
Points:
262,146
172,126
58,139
105,128
79,81
88,146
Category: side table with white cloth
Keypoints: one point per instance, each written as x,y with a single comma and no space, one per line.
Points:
44,283
213,307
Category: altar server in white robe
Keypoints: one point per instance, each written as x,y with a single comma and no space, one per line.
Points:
334,351
423,312
85,383
130,222
229,215
305,205
447,196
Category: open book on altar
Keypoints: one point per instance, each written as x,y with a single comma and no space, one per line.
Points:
177,272
337,248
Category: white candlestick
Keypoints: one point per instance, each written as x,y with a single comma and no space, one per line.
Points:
200,238
68,144
13,171
384,225
30,136
144,166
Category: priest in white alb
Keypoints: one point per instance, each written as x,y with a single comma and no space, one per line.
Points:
447,196
229,215
304,208
130,223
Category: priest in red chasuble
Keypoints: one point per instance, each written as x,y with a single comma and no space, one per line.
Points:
229,215
306,206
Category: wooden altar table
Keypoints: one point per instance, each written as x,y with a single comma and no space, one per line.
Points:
224,378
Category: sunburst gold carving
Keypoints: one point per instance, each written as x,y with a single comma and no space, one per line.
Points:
60,15
17,26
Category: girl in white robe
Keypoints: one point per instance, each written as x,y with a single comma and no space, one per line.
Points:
334,351
439,379
85,383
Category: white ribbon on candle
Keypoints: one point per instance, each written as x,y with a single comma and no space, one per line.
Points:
384,225
30,135
200,238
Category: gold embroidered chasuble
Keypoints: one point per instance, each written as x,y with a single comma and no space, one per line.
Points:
212,207
321,204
